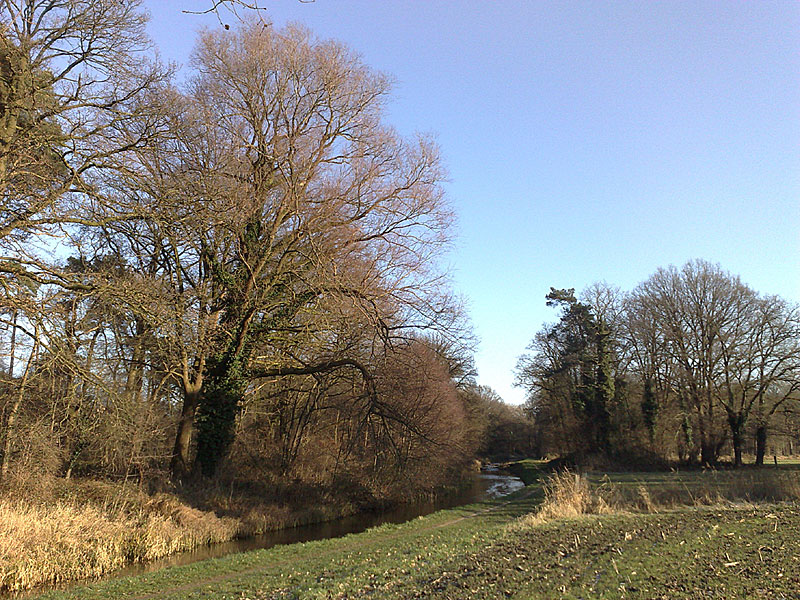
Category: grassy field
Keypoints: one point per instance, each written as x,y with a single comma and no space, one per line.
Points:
712,549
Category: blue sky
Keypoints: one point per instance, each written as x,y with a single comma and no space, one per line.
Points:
585,141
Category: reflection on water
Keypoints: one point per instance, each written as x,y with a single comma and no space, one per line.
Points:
490,483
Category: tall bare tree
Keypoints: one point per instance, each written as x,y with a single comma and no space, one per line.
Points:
692,308
278,214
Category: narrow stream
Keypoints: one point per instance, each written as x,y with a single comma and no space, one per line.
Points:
489,483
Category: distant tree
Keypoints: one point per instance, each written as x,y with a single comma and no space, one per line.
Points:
729,345
762,367
499,430
572,365
690,307
663,402
705,354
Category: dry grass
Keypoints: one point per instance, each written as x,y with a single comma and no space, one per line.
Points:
723,487
47,543
569,494
766,487
55,530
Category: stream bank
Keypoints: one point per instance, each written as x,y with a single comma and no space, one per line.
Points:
492,482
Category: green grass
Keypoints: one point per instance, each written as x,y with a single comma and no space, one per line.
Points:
697,487
692,553
487,551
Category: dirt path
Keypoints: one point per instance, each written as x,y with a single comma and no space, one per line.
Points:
357,546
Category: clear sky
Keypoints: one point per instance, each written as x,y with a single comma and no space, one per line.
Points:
585,141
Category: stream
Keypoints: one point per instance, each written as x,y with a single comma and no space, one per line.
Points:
490,483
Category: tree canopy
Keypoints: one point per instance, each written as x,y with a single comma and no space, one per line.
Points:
248,277
679,368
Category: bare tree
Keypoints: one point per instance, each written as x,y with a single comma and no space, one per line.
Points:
730,345
276,214
692,307
663,398
68,71
761,366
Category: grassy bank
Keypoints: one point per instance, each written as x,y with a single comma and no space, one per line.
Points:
643,542
344,566
54,530
83,529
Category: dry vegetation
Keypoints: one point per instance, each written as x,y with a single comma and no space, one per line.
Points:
91,528
570,494
66,530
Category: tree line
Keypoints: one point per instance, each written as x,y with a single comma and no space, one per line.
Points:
236,276
689,365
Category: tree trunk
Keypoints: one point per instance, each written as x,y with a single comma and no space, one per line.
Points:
705,442
688,432
761,444
135,378
707,454
11,422
736,422
737,451
183,438
13,350
649,410
603,391
709,451
10,426
223,391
